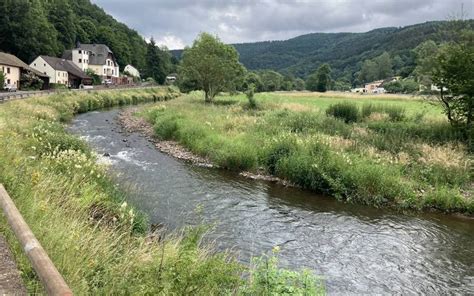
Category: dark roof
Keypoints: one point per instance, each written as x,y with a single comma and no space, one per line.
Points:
99,53
65,65
11,60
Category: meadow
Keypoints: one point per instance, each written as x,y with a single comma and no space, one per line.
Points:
383,150
98,242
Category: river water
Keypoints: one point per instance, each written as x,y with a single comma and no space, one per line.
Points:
356,249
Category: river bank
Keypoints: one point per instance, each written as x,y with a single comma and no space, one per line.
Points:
95,238
392,156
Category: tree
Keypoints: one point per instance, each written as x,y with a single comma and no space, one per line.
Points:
95,78
425,61
158,63
299,84
61,16
320,80
212,64
271,80
254,79
378,68
453,74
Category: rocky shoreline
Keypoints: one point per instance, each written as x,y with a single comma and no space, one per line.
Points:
132,124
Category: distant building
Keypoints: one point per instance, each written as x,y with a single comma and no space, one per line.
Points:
96,57
171,78
61,71
13,67
132,71
372,86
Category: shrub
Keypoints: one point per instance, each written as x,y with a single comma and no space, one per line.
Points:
250,96
345,111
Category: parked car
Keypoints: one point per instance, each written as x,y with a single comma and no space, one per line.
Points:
10,87
107,82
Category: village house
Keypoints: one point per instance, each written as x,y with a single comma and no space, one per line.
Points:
12,68
61,71
97,58
131,70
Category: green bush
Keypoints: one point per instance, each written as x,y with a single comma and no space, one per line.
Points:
348,112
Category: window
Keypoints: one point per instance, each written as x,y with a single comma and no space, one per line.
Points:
8,81
45,65
59,74
104,71
80,51
80,60
35,64
8,71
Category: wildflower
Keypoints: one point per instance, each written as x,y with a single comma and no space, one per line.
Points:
276,249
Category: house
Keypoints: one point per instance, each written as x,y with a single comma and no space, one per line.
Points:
372,86
13,68
61,71
95,57
131,70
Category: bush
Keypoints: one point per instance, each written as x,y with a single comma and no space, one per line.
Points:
395,113
345,111
250,96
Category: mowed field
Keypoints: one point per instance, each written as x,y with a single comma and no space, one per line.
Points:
382,150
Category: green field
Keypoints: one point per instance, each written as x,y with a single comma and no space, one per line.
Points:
98,242
394,151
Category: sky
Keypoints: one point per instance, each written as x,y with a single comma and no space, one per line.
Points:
176,23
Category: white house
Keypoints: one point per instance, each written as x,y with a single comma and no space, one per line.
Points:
60,71
96,57
131,70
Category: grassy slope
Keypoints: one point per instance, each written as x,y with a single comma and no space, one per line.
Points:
410,162
96,241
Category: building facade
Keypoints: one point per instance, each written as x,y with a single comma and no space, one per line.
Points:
95,57
61,71
11,69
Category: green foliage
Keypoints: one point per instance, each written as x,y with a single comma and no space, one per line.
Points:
31,28
212,64
349,112
425,61
271,80
453,74
96,80
158,62
376,69
381,160
320,80
405,86
2,80
300,84
267,279
250,93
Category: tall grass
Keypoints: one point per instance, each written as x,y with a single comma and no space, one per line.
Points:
97,241
382,161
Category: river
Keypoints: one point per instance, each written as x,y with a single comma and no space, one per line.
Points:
355,249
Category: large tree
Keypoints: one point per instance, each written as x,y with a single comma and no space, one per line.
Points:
453,74
212,64
320,80
158,62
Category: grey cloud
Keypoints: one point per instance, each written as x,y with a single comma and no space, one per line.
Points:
245,20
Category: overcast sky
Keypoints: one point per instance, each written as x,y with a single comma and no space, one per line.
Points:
175,23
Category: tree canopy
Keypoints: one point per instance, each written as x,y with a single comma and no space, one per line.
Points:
212,65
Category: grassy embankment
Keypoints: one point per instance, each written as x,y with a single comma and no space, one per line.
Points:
97,242
378,150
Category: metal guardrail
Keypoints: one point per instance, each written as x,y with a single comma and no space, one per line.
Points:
52,280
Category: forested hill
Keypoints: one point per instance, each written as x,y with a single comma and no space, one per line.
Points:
33,27
345,52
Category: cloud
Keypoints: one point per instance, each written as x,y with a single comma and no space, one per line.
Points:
176,23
